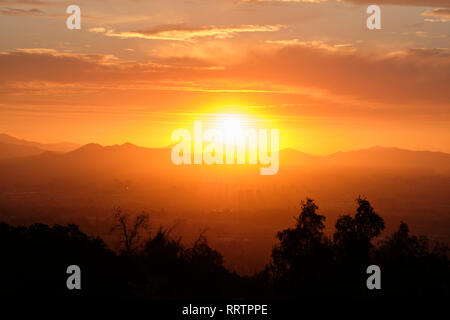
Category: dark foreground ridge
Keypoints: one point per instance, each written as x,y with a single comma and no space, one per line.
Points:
155,266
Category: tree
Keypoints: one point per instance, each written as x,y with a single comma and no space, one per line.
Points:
413,265
36,258
130,231
162,249
353,235
401,245
352,246
203,256
303,259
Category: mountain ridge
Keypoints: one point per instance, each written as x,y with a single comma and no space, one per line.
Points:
376,156
55,147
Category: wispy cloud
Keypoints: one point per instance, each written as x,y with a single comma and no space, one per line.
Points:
408,77
420,3
21,12
185,33
97,30
27,2
313,44
439,14
308,1
424,34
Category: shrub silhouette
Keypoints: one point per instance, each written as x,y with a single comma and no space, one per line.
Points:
413,265
164,269
35,260
155,265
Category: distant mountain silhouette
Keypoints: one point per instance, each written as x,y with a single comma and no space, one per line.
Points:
296,157
87,164
56,147
93,165
94,149
130,157
393,157
126,154
17,151
373,157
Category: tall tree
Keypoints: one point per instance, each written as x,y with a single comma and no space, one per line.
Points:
303,258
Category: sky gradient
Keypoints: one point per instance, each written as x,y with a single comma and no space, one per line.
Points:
139,69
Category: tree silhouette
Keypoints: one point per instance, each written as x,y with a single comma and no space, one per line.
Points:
305,263
353,235
413,265
303,259
130,231
352,245
203,256
35,260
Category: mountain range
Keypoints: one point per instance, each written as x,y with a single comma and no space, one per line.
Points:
377,156
12,147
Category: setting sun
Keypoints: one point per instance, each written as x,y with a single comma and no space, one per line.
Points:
231,128
232,124
181,150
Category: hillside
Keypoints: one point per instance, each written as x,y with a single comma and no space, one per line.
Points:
17,151
56,147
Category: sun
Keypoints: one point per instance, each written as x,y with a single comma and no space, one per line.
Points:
231,124
232,128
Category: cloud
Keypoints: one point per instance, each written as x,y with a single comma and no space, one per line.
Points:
414,77
420,3
50,65
424,34
312,44
37,51
97,30
185,33
307,1
26,2
21,12
439,14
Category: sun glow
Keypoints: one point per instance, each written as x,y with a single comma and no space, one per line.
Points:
232,129
227,143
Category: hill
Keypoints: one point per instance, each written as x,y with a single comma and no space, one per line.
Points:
55,147
17,151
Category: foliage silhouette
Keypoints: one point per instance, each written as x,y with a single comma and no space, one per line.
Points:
413,266
155,265
130,231
353,243
35,259
304,257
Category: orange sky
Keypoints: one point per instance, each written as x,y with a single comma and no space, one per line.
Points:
139,69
